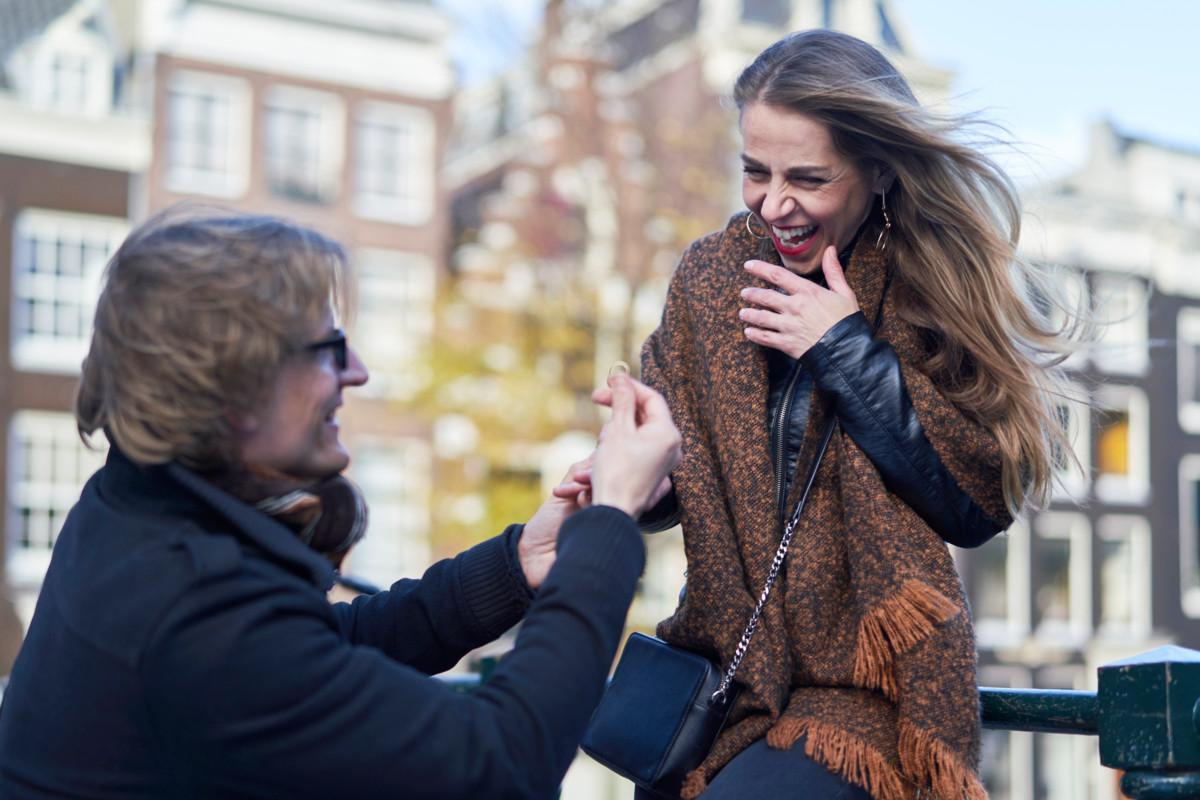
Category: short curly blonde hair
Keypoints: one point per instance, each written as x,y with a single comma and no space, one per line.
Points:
199,309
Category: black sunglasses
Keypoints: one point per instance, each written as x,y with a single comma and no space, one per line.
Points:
335,342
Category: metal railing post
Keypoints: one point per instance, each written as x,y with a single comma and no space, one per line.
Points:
1148,708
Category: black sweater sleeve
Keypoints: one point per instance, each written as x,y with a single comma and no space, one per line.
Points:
863,375
255,684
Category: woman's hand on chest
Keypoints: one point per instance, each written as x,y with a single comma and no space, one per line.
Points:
793,319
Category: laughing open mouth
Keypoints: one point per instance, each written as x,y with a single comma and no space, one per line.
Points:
794,237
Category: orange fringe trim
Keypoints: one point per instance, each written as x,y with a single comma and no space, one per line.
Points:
922,753
901,621
693,785
846,755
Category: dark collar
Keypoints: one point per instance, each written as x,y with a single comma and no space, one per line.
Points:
175,490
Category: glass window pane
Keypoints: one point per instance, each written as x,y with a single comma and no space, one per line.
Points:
995,764
990,595
1053,595
769,12
1112,443
1117,581
293,139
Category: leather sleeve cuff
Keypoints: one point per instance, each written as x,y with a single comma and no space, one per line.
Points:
662,516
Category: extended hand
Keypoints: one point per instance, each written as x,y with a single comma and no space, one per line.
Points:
638,447
793,321
538,545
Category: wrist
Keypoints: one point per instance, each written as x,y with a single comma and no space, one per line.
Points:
617,501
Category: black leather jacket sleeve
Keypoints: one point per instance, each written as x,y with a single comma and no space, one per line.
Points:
863,376
662,516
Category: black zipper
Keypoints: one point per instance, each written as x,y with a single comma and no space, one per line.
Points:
778,428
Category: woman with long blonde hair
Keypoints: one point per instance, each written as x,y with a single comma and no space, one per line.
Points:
872,287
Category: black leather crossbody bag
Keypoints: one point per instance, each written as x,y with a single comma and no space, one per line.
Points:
665,705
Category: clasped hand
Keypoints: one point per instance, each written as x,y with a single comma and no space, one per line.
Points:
639,446
796,318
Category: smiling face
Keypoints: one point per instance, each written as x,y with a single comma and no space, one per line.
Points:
809,194
294,429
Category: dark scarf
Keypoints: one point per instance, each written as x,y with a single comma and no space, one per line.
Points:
330,515
865,649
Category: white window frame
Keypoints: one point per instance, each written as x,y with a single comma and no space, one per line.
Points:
394,338
1189,536
95,83
1137,530
51,486
1014,627
1072,482
411,200
397,541
1076,529
1071,300
1134,487
1121,304
329,144
44,349
233,181
1187,367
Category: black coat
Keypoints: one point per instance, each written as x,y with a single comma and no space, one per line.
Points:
183,647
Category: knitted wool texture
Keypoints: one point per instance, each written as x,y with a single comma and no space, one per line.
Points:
865,648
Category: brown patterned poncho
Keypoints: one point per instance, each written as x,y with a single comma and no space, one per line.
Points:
865,648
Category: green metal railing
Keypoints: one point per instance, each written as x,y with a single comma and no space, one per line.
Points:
1145,711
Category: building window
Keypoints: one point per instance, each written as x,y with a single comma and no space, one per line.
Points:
393,475
1066,764
1071,473
775,13
1068,302
394,324
1000,588
1121,308
1124,562
1189,533
1122,424
304,144
56,267
47,467
1006,762
1063,578
395,153
68,82
1188,368
207,134
69,70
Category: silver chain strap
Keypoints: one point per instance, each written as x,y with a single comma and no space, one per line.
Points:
780,554
776,564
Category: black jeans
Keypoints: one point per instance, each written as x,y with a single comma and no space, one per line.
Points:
759,772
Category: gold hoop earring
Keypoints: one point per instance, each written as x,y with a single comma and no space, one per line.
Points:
881,240
749,229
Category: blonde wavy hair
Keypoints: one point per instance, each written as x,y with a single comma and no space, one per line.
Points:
956,220
199,309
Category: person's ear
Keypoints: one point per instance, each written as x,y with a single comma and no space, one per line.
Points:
242,424
884,177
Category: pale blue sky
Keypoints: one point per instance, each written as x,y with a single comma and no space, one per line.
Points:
1048,68
1045,69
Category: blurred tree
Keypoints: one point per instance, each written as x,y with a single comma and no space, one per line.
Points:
562,251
